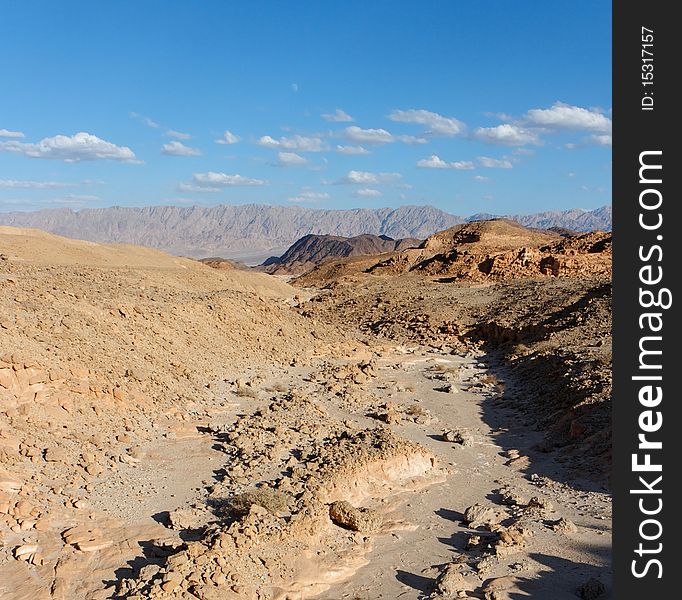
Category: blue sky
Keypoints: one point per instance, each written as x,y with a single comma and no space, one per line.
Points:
471,106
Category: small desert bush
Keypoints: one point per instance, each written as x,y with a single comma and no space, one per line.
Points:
445,368
246,392
274,501
415,410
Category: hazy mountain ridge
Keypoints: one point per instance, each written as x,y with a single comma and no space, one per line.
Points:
575,219
233,231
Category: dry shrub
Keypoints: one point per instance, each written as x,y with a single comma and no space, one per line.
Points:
247,392
274,501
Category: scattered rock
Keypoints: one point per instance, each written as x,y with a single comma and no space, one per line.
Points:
564,525
346,515
453,581
479,514
458,436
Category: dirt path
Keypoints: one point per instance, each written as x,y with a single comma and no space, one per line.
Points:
449,405
406,564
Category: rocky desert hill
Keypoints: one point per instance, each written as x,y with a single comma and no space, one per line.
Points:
491,250
312,250
177,430
259,230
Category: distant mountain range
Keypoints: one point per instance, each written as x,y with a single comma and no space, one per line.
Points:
575,219
256,231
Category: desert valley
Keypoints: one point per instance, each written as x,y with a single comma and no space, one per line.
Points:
363,419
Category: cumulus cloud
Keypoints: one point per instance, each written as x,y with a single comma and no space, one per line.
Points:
435,124
290,159
507,135
297,142
436,162
601,139
177,134
308,196
481,178
378,136
368,136
352,150
494,163
366,178
228,138
338,116
567,117
411,139
145,120
179,149
215,181
75,148
34,185
6,133
367,193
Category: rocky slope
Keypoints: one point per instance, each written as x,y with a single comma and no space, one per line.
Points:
172,430
492,250
257,229
312,250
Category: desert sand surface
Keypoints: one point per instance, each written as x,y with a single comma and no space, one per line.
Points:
429,423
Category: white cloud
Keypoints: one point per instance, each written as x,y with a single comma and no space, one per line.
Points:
77,199
338,116
566,116
481,178
178,134
411,139
72,200
75,148
507,135
228,138
436,124
367,193
309,197
290,159
368,136
193,187
601,139
378,136
179,149
6,133
146,120
296,142
494,163
352,150
436,162
214,182
366,178
34,185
